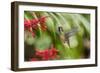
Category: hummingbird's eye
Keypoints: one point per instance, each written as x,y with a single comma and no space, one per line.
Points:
60,29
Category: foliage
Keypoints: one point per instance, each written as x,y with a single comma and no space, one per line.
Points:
65,32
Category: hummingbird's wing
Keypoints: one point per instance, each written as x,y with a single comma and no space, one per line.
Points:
70,33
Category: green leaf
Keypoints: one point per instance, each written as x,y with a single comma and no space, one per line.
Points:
28,15
50,24
29,38
84,21
64,22
73,53
43,42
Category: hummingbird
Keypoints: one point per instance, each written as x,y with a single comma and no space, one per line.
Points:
64,36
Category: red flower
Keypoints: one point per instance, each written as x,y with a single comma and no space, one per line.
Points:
47,54
53,53
39,53
31,23
43,54
27,24
43,27
34,23
42,19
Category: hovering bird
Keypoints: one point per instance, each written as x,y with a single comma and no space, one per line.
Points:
64,36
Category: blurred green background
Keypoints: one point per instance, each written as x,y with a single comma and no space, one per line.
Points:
76,46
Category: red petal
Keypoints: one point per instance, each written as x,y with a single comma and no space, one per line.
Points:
53,51
42,19
39,53
27,23
34,22
43,27
46,55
